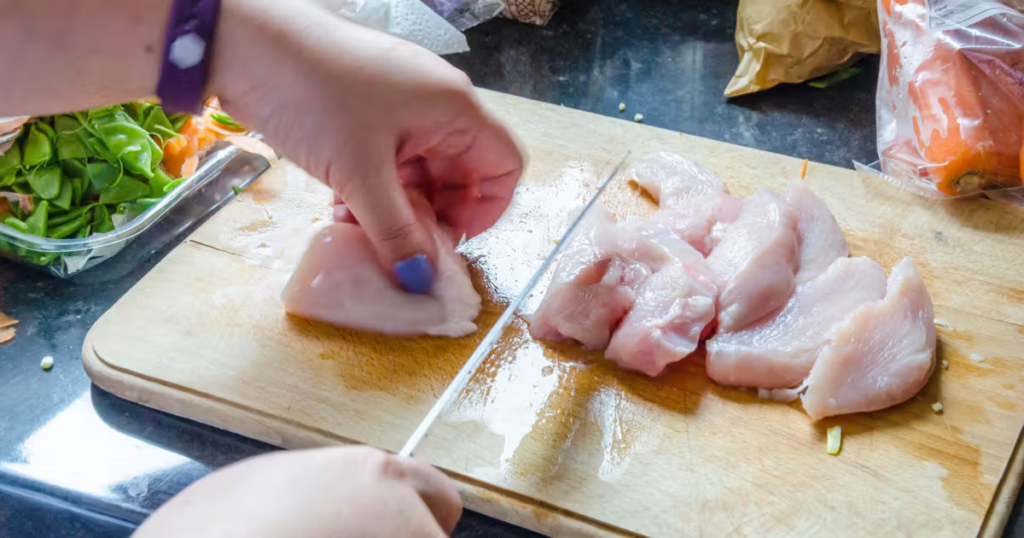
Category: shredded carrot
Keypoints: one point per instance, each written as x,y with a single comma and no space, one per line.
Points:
803,169
6,328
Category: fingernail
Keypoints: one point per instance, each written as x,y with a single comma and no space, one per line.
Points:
415,274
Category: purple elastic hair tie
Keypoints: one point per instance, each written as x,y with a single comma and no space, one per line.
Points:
187,53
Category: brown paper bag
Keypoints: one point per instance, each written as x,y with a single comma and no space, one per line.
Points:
797,40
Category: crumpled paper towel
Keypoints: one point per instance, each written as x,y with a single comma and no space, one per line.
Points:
797,40
411,20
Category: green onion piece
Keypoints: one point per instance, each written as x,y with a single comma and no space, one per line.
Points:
828,81
84,232
46,181
237,190
835,440
38,220
38,148
226,120
45,128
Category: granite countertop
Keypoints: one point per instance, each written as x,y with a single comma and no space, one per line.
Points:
77,461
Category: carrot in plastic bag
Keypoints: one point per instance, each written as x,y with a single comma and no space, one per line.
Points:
949,107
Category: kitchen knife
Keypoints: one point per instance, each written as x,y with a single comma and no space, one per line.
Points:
485,347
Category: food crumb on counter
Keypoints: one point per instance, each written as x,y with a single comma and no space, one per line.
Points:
835,440
943,323
639,118
937,407
945,364
622,107
47,362
977,358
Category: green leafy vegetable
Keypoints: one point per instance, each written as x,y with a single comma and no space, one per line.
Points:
46,181
102,174
161,179
37,221
237,190
63,200
126,190
173,185
38,148
10,161
69,144
119,140
70,215
17,224
68,228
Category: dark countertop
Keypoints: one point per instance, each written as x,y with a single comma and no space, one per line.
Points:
77,461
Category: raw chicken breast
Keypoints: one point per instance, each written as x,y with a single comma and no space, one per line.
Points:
673,307
340,281
670,178
701,221
881,355
592,287
695,205
779,350
821,239
756,261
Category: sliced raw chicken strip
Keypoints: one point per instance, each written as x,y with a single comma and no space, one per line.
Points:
694,202
340,281
592,287
670,178
881,355
779,350
701,221
673,306
756,261
821,239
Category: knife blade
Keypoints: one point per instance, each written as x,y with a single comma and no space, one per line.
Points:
487,344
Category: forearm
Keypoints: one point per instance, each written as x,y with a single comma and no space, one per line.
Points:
61,55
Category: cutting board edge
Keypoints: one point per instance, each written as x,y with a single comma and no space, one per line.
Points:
490,501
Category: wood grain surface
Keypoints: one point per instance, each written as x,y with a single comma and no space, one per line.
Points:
559,440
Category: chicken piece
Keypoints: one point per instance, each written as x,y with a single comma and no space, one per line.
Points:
673,306
592,287
694,202
779,350
701,221
821,240
670,178
340,281
880,355
756,261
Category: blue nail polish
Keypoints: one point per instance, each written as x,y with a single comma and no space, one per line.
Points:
415,274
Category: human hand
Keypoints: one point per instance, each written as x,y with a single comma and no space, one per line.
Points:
342,491
371,115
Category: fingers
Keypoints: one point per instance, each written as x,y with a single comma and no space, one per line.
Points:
375,198
437,491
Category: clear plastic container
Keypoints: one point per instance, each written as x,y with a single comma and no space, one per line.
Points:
224,167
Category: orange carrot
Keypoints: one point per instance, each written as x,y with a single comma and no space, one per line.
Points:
803,169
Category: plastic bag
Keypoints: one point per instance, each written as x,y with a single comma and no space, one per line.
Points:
950,102
411,20
465,14
796,40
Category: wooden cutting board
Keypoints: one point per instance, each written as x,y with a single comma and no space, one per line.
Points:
558,440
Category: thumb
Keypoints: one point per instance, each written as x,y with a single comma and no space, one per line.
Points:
375,197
